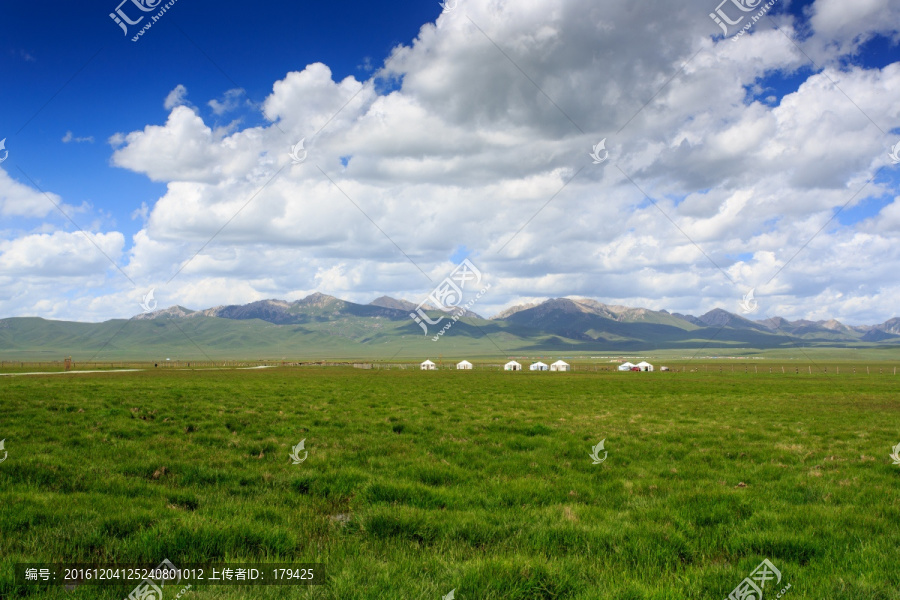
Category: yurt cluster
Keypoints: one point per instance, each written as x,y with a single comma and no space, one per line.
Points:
510,366
641,366
559,365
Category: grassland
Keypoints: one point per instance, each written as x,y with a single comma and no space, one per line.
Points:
417,483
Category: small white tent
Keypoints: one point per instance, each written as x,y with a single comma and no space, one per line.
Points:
427,366
559,365
626,366
512,366
539,366
466,365
644,366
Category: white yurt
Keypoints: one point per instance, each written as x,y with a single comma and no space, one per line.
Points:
512,366
427,366
465,365
560,365
539,366
626,366
644,366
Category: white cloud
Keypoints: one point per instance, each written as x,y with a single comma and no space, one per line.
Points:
186,149
20,200
141,213
71,138
60,255
229,102
177,97
842,27
304,102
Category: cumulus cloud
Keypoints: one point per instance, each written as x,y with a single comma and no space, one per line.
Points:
477,134
59,255
840,28
186,149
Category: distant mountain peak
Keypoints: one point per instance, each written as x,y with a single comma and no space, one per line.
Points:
718,317
172,311
587,306
318,299
835,325
891,326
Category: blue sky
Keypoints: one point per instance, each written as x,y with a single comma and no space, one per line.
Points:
750,146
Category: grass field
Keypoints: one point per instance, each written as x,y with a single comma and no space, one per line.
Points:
417,483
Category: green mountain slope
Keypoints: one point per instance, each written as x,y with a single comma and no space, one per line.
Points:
321,326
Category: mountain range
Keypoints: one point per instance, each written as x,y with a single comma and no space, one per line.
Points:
321,325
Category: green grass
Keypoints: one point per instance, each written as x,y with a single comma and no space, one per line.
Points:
478,481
